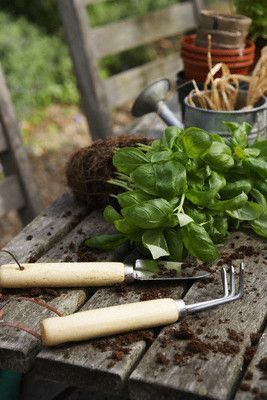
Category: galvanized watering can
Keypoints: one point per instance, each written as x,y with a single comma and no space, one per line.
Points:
152,99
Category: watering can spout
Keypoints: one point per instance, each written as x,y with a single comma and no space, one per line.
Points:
152,99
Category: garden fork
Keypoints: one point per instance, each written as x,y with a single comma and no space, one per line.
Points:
129,317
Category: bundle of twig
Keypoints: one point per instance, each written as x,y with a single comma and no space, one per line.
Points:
220,94
258,82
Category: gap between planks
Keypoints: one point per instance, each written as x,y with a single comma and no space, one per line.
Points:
18,348
89,364
257,385
208,378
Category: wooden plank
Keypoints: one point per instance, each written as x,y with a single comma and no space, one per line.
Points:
11,197
42,233
3,143
88,2
41,390
198,6
18,348
76,26
141,30
254,383
37,238
127,85
91,365
16,161
204,375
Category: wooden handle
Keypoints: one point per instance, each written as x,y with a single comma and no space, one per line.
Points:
109,321
65,274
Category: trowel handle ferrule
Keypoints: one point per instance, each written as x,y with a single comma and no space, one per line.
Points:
65,274
110,321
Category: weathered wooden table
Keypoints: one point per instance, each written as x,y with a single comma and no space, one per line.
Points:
155,364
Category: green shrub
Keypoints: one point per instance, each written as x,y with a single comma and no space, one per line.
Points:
114,10
43,13
257,11
37,67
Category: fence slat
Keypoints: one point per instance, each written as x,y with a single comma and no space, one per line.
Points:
141,30
127,85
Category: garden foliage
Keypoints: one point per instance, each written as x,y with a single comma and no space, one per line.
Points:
184,193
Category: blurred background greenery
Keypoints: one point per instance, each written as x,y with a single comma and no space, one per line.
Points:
34,55
35,58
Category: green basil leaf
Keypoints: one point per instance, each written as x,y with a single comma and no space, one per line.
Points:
131,198
198,242
257,165
200,198
184,219
232,189
155,242
110,214
170,179
219,228
216,138
127,159
161,156
262,146
198,216
248,212
219,156
260,225
106,242
239,133
245,153
216,181
230,204
124,226
175,244
196,142
151,214
251,152
261,185
169,136
144,179
163,179
259,197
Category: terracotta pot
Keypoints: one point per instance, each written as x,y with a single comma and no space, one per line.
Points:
188,43
216,59
196,64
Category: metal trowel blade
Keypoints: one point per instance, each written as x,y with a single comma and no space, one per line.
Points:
147,270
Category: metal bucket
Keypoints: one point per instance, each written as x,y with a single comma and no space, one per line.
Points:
212,121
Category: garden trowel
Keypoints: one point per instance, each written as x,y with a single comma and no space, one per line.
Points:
83,274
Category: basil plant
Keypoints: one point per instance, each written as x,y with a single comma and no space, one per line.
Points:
182,194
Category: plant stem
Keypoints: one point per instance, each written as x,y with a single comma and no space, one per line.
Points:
179,208
117,182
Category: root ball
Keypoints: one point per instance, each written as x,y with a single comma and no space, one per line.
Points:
89,169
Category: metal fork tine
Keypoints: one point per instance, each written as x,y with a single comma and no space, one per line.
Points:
224,282
241,280
232,280
206,305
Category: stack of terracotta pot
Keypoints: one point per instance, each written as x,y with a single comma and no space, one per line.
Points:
228,45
